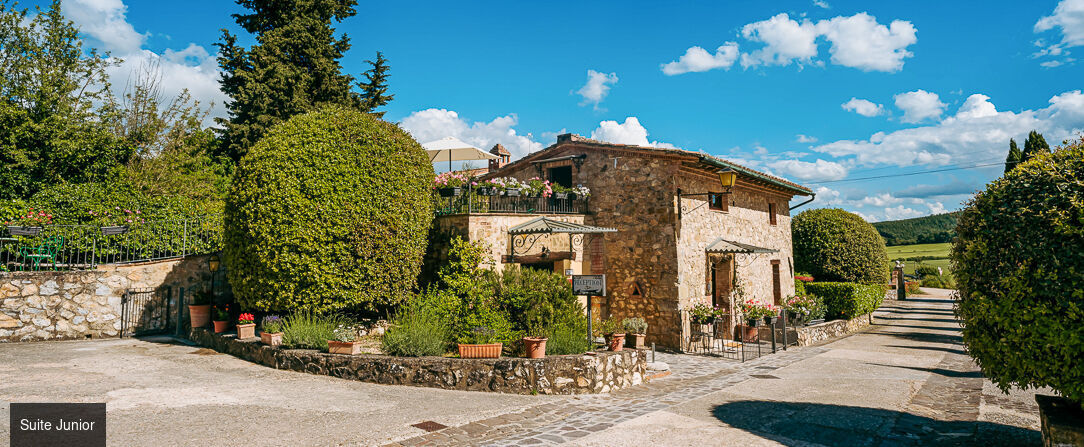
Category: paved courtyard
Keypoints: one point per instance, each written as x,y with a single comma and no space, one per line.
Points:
905,381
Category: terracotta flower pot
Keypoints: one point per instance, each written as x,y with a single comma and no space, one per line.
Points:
635,341
616,341
535,347
199,315
487,351
747,333
271,338
246,330
221,326
344,347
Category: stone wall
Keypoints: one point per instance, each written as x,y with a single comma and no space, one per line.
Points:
66,305
828,330
569,374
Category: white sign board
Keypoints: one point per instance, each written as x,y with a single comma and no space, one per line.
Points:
590,285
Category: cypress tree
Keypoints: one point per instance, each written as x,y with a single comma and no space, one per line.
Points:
1034,145
374,90
1014,157
292,68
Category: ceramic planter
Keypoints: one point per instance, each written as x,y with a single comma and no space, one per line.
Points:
271,339
534,347
747,334
486,351
344,347
635,341
771,320
200,315
615,341
246,330
221,326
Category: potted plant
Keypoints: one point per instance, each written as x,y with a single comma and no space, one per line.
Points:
534,343
754,312
347,341
199,312
480,343
271,330
579,192
615,337
536,187
702,314
450,184
246,326
636,328
560,192
773,314
804,309
222,320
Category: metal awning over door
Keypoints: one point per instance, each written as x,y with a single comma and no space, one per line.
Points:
724,246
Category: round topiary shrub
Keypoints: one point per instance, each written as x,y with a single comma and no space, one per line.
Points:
835,245
329,211
1019,264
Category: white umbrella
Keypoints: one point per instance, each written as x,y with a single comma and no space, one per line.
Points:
452,149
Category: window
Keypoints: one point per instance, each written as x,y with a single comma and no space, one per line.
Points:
561,175
777,283
718,201
771,213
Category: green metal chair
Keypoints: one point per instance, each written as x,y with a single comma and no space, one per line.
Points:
49,249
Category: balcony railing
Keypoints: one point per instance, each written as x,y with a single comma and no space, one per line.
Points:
469,202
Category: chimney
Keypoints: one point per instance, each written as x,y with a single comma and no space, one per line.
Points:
504,157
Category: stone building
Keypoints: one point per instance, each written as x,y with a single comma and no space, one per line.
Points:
681,238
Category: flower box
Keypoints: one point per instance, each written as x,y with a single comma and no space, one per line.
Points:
271,339
560,195
511,192
246,330
487,191
16,230
480,351
635,341
344,347
450,192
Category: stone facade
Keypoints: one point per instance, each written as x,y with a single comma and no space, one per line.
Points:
569,374
815,333
66,305
656,264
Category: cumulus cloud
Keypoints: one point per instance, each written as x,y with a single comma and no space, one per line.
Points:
919,105
863,107
434,124
597,87
822,170
105,23
978,131
802,138
697,59
785,41
628,132
902,212
955,187
1068,18
821,4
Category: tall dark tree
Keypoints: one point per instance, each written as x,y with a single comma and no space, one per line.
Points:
1014,157
1034,145
374,89
292,68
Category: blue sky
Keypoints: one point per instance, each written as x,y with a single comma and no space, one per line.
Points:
817,92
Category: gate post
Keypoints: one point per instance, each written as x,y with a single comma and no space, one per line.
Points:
180,312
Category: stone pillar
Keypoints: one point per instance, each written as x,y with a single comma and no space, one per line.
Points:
901,282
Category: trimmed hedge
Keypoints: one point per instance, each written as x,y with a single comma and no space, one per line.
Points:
329,211
847,300
1019,267
835,245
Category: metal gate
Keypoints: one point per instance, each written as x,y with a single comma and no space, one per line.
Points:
147,311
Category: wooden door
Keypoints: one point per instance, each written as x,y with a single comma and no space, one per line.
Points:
777,283
722,283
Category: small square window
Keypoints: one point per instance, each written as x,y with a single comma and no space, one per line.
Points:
718,201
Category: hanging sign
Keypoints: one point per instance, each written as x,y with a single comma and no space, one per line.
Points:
590,285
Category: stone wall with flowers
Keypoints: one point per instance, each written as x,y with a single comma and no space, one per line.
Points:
65,305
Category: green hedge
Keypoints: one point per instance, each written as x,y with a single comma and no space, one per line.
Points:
835,245
847,300
329,211
1019,268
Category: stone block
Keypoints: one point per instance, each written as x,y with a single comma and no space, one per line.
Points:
49,288
1061,421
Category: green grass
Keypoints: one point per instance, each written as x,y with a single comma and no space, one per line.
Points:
939,251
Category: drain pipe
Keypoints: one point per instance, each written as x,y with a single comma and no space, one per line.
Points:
812,196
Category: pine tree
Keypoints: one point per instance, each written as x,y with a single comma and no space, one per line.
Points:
1014,157
1034,145
374,90
292,68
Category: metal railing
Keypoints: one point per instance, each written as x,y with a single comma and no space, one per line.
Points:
75,247
471,202
731,338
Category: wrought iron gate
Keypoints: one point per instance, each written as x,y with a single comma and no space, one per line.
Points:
147,311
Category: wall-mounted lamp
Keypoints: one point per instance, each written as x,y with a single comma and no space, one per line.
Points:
727,178
213,263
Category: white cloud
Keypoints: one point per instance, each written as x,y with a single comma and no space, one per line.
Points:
860,42
863,107
597,87
937,208
919,105
821,170
433,124
902,212
802,138
978,131
628,132
1068,18
105,21
697,59
821,4
785,41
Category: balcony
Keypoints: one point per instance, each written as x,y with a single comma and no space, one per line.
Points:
469,202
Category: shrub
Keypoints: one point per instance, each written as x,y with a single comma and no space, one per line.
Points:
308,330
635,325
568,339
835,245
912,287
1019,270
932,281
416,330
329,211
536,300
271,324
926,270
847,300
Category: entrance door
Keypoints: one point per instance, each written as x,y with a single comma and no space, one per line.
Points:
777,283
561,175
721,285
544,266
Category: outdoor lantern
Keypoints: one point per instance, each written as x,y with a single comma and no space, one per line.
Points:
727,177
212,263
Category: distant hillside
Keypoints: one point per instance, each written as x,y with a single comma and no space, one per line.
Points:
920,230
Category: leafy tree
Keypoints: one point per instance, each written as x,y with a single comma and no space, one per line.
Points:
374,90
1033,146
835,245
292,68
54,105
1014,157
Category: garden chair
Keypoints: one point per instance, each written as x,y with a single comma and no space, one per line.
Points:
48,250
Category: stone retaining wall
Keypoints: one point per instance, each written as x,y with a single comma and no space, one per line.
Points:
569,374
812,334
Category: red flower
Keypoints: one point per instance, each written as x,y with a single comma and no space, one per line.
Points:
246,318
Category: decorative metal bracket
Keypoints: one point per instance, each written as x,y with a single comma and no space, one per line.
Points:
523,243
